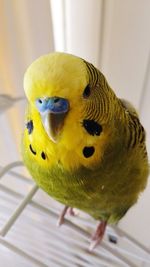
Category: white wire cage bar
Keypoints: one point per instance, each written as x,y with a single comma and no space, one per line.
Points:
28,229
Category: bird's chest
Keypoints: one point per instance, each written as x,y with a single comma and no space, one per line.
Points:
69,188
84,189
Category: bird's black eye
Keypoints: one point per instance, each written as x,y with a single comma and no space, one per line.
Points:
40,101
87,91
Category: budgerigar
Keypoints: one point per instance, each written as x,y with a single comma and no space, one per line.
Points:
82,145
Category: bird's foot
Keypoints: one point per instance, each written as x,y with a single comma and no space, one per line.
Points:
71,211
98,235
63,213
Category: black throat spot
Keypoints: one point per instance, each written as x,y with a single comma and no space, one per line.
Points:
92,127
88,151
32,150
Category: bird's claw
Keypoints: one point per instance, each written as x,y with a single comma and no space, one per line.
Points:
98,235
63,213
62,216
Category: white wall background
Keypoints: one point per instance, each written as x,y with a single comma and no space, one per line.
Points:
113,34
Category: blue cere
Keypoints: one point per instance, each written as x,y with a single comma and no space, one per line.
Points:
52,104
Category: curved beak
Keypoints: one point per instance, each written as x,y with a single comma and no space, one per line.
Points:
53,111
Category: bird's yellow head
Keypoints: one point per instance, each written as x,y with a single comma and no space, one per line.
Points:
71,105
